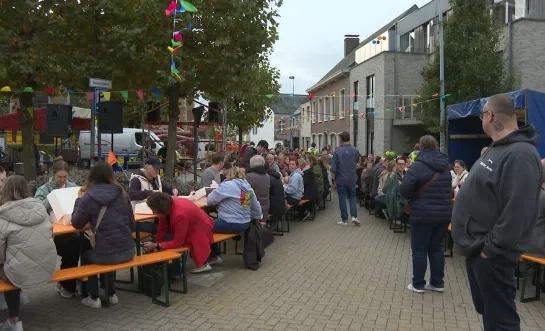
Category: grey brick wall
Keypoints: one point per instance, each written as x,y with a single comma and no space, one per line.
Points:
528,51
395,74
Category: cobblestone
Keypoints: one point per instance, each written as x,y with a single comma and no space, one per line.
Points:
320,276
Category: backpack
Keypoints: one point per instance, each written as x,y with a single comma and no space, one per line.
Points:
395,204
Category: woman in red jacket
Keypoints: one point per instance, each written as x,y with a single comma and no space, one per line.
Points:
181,222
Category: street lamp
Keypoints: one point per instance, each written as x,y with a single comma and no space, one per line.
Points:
293,85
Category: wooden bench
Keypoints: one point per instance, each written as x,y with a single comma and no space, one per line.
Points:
82,273
143,235
531,262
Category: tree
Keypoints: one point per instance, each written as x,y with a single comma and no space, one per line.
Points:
251,104
63,43
229,36
473,66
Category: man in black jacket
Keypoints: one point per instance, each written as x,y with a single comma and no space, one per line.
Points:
250,151
495,213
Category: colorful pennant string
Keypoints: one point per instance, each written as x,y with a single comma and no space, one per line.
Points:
177,37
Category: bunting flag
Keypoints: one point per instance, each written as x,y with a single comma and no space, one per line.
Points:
140,94
125,95
90,96
106,95
176,35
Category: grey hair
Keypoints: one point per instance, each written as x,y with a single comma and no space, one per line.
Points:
257,161
15,188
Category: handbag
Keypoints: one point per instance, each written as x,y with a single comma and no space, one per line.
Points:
407,207
90,234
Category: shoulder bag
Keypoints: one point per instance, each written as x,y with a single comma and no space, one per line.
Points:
90,234
407,208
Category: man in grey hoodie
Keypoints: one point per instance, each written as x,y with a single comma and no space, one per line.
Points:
495,213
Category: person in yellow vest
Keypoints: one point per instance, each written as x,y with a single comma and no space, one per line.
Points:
312,149
414,153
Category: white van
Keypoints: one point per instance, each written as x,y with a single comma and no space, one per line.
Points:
127,143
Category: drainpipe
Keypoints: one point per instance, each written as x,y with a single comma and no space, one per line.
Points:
509,49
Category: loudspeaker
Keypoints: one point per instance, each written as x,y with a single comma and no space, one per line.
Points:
197,115
59,120
110,117
213,111
155,114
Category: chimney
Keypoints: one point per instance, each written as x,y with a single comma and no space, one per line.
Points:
351,41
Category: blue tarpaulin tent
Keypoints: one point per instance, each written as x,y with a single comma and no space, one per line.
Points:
466,137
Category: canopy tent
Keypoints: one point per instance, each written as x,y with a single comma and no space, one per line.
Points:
466,136
80,120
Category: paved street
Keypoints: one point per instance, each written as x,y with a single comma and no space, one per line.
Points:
321,276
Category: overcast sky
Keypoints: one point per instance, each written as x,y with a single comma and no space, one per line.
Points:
312,34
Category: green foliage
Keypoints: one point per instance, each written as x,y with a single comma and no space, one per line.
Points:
474,63
63,43
249,106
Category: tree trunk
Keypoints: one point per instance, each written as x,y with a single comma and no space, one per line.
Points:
26,121
173,114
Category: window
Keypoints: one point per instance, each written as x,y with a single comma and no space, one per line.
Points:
313,112
281,125
307,116
254,130
320,110
356,91
332,110
370,91
326,109
342,104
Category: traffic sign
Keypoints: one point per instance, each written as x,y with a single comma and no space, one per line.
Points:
100,83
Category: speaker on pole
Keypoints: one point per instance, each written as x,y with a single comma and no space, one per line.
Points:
59,120
213,111
110,117
154,112
197,115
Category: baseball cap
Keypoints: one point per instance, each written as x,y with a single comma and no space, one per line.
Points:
154,162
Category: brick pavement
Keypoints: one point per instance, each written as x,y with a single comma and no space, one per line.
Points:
321,276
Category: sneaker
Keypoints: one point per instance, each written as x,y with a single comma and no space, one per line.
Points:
63,292
410,287
114,300
91,303
430,287
356,221
342,222
7,326
204,268
217,260
385,213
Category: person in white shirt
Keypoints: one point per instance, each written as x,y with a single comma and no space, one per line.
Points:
460,175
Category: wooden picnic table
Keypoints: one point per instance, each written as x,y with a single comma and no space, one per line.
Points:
59,229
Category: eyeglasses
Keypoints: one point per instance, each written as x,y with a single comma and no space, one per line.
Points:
481,115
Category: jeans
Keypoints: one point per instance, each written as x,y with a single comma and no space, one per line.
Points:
493,290
150,227
343,191
174,268
221,226
68,248
427,243
91,286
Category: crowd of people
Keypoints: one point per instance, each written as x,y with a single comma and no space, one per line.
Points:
496,210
